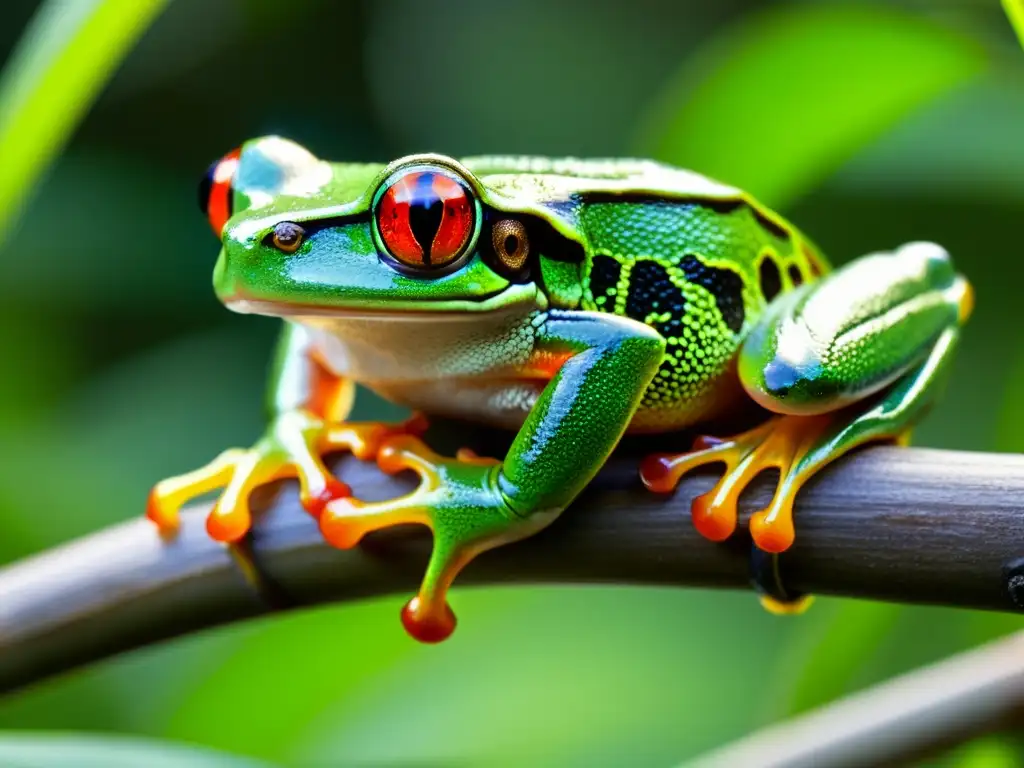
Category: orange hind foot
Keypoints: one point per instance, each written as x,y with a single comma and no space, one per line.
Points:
781,442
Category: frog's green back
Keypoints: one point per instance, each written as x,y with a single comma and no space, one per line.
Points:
700,274
695,259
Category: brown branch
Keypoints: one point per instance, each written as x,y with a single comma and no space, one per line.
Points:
908,718
906,525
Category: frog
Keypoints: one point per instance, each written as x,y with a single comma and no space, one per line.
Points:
570,302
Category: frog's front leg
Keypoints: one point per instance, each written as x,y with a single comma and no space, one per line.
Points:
474,504
854,358
308,407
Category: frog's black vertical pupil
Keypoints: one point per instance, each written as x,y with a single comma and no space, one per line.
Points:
426,209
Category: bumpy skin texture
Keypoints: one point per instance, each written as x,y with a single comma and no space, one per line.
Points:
701,274
568,300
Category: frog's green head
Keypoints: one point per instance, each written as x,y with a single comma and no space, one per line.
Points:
304,236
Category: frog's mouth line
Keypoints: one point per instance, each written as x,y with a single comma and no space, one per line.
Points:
512,298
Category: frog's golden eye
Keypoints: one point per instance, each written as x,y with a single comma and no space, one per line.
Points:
287,236
425,217
511,244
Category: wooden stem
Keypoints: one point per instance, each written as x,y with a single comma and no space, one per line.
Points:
896,524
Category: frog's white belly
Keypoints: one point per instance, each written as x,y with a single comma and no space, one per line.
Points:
475,366
393,348
494,402
461,365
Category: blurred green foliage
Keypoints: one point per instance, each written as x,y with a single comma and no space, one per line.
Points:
1015,12
790,132
56,750
868,124
65,57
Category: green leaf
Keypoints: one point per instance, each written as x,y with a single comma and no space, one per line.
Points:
1015,12
63,60
988,752
936,155
70,750
781,99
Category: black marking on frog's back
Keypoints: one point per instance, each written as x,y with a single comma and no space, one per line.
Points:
724,284
604,278
796,276
775,230
652,291
769,277
694,271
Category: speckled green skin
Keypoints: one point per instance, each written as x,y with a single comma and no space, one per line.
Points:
653,299
693,272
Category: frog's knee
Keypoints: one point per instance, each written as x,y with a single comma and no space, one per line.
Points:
793,387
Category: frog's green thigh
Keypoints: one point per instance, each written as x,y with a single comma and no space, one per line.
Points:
854,358
473,504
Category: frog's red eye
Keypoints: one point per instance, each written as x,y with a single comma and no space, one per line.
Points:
425,218
215,191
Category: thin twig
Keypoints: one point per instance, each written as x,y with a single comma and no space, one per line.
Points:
908,718
906,525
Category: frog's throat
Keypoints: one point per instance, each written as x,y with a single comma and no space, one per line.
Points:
514,296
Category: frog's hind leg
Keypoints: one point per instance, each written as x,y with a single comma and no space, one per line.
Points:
855,358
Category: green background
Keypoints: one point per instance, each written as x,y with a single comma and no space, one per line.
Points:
867,124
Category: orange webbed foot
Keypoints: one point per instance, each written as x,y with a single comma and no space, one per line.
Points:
292,447
781,443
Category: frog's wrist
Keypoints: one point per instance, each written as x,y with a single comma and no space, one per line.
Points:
520,504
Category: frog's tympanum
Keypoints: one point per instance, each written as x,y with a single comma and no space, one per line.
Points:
572,301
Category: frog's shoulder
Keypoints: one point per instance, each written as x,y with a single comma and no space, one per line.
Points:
549,178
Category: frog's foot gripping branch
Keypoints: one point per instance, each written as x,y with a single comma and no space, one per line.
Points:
781,442
458,499
799,446
292,447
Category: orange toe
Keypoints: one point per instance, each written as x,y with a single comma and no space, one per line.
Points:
425,625
337,523
712,522
772,535
228,527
